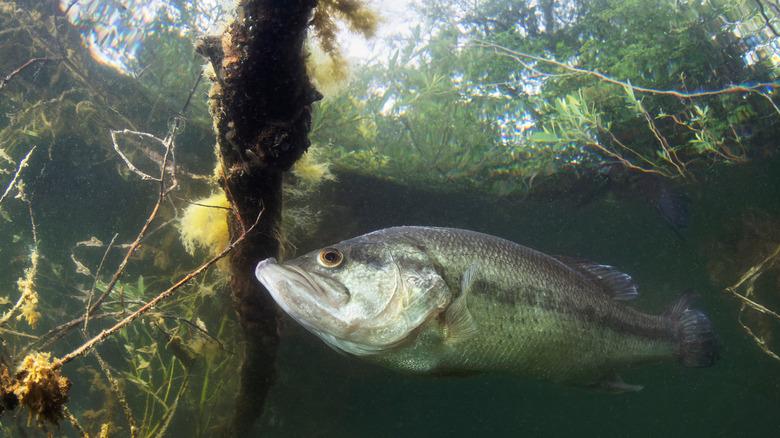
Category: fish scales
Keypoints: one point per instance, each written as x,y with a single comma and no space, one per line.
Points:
446,301
532,310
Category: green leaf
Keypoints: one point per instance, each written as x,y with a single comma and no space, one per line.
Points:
544,137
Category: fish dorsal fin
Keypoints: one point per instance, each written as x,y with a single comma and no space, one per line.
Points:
618,285
460,324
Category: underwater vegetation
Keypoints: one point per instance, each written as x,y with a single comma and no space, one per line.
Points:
117,315
125,278
70,122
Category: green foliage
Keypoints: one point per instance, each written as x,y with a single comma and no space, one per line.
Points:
169,354
575,86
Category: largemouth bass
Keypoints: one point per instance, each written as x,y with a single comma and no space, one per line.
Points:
454,302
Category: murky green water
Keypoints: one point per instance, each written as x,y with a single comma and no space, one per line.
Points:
324,394
452,125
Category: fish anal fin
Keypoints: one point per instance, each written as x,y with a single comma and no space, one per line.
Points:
619,285
459,321
455,373
613,383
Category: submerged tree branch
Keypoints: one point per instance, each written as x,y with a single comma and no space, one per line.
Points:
21,167
11,75
750,278
163,295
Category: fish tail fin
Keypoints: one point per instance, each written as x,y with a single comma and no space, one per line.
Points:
698,345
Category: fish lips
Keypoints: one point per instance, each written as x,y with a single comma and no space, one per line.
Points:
302,296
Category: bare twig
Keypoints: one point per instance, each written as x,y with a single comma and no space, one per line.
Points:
165,294
22,165
97,277
28,298
683,95
24,66
166,143
117,391
203,331
43,342
74,422
169,144
749,278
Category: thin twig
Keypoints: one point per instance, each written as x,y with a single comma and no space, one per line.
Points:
165,294
752,304
22,165
750,277
20,69
202,205
169,145
198,328
43,342
74,422
771,102
117,391
732,89
97,277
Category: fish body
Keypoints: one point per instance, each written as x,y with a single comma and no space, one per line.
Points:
455,302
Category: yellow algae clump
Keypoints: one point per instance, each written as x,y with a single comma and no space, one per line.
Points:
312,169
328,66
204,225
298,217
39,387
329,71
28,302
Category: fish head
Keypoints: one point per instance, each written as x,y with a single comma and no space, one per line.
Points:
362,296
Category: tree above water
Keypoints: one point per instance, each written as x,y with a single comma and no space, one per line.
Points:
494,94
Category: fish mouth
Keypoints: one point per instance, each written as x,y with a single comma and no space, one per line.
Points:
287,284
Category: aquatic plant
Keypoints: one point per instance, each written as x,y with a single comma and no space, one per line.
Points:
175,350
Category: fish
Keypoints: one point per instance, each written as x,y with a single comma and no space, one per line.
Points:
672,206
452,302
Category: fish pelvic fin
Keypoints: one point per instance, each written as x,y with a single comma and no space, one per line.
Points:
698,345
459,322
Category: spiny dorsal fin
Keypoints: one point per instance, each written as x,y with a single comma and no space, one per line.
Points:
460,324
618,285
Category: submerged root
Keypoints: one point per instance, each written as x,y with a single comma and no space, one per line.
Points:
748,300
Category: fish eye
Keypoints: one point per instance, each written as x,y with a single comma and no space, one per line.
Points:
330,257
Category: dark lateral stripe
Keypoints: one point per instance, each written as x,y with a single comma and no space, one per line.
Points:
586,308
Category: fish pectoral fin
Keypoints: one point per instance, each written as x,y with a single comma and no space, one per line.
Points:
613,383
459,322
